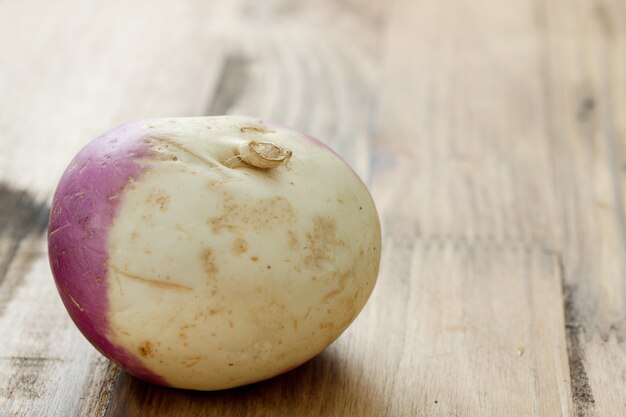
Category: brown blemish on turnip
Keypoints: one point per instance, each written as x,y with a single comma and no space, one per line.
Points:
184,328
254,258
292,239
240,245
191,361
202,315
254,129
321,242
163,202
213,183
150,281
208,261
182,335
146,350
161,145
349,305
160,199
342,279
261,214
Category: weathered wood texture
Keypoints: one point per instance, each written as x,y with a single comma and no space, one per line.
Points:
491,133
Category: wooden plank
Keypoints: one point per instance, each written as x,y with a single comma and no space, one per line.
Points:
20,215
461,144
469,351
544,168
466,168
584,82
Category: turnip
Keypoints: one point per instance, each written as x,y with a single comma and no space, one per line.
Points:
208,253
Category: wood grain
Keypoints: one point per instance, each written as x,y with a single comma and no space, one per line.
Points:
491,134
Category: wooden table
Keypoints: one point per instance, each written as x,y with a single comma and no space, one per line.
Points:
491,134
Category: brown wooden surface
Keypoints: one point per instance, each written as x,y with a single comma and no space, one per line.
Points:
491,133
